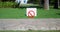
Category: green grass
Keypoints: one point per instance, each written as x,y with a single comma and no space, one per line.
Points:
16,13
31,31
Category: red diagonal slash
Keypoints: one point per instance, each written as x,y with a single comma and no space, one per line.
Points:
31,13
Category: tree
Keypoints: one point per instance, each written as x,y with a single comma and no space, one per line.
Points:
46,4
41,3
56,4
0,0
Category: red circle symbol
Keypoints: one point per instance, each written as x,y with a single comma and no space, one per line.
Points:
30,14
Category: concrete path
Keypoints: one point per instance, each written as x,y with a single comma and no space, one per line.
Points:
34,24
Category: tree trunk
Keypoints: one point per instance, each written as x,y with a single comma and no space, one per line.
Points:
46,4
0,0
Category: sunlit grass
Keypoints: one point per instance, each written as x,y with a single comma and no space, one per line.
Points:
21,13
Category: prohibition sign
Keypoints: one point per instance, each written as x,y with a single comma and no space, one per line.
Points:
31,15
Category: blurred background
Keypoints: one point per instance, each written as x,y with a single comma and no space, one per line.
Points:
36,3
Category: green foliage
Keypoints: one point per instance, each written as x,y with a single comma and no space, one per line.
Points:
34,1
6,4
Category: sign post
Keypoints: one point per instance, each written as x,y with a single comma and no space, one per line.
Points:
31,12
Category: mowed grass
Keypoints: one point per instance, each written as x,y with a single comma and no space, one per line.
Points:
12,13
31,31
16,13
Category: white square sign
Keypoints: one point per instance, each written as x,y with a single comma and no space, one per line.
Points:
31,11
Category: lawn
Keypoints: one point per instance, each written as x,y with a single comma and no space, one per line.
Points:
17,13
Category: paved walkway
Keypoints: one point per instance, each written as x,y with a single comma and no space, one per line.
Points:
34,24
